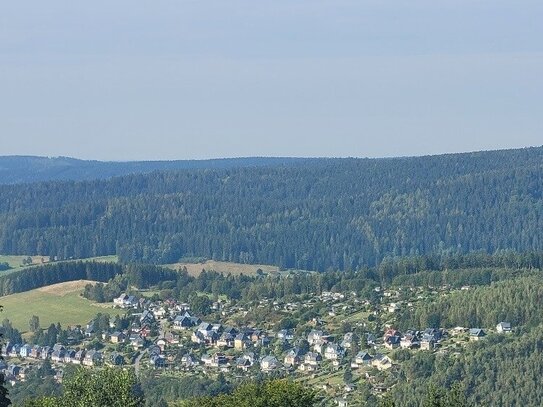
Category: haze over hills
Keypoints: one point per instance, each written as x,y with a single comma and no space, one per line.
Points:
320,214
26,169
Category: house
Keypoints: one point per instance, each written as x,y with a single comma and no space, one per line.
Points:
293,357
25,370
306,367
503,327
246,361
36,352
432,333
285,334
90,329
226,340
410,340
315,336
157,361
92,358
392,342
197,337
69,355
218,359
147,317
476,334
14,351
185,321
381,362
427,343
188,360
25,350
161,343
58,356
131,302
348,339
6,349
117,337
241,341
333,351
46,352
370,339
263,341
13,370
160,313
391,332
58,347
342,402
204,327
257,335
121,300
363,358
349,388
394,307
137,341
269,364
312,358
78,357
172,338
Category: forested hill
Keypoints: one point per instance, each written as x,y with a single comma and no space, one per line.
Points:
27,169
330,213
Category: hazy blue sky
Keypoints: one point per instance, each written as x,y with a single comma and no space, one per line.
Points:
169,79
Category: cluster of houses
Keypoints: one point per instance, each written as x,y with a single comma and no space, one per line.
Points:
58,354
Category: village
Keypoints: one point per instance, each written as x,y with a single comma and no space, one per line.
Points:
350,342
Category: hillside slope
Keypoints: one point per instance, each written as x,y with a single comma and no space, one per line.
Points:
325,213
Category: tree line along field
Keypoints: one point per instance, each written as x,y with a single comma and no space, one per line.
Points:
223,267
20,262
55,303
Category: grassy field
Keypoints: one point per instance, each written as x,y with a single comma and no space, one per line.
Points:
17,261
223,267
55,303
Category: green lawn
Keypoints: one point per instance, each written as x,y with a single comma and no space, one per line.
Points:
17,261
57,303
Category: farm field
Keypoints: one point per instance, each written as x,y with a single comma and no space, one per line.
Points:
195,269
55,303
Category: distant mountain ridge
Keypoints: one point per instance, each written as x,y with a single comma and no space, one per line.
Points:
28,169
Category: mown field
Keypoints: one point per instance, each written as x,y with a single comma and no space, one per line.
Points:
195,269
17,261
55,303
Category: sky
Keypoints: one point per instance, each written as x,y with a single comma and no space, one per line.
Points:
185,79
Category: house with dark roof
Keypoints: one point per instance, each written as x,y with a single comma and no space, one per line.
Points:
476,334
503,327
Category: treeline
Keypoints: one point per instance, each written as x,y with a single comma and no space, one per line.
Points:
274,393
140,276
340,214
517,301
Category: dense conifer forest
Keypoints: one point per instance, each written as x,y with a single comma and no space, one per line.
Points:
340,214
